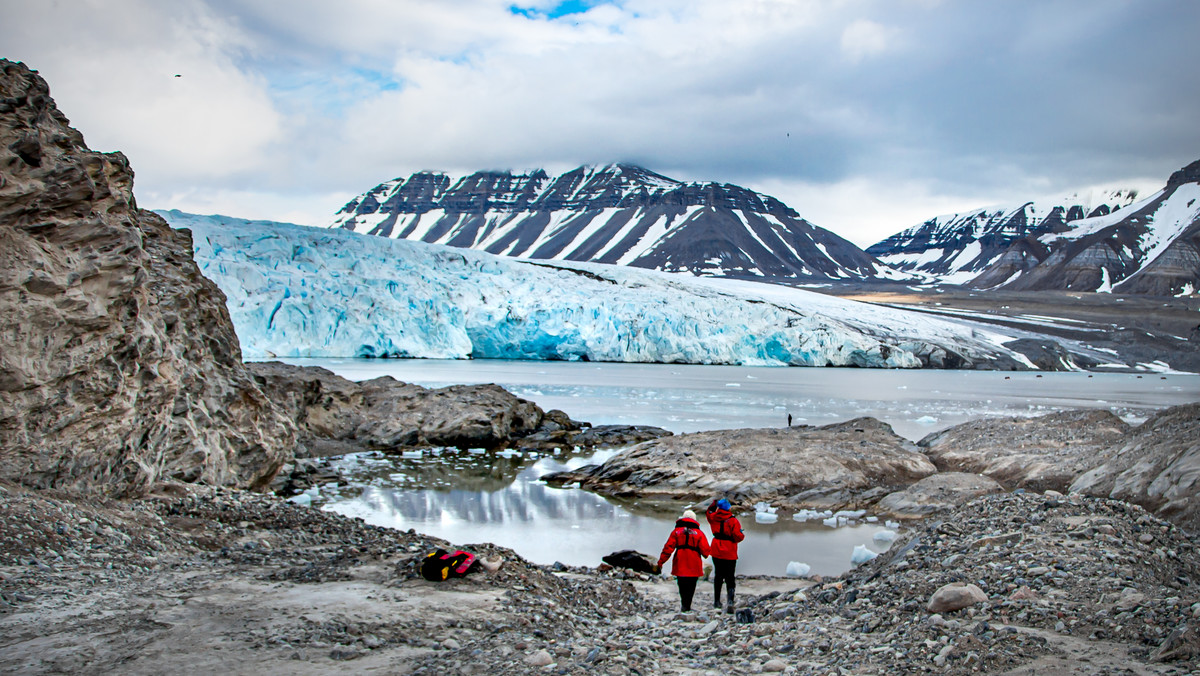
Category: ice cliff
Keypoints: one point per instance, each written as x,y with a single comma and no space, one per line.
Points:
295,291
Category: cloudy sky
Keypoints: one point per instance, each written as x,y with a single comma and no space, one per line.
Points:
866,116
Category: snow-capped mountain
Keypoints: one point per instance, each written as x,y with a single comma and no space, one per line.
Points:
1150,247
617,214
1123,244
296,291
957,248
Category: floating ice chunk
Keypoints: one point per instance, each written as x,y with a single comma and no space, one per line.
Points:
872,519
412,454
764,513
851,513
926,420
832,522
302,499
811,514
861,555
797,569
891,525
884,536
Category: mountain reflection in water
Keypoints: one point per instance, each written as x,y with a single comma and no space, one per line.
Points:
474,496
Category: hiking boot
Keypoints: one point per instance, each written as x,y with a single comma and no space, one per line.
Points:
717,603
729,608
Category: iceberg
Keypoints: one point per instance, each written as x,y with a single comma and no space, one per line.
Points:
296,291
861,555
797,569
884,536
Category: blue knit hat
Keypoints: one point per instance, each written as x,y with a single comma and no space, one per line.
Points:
723,503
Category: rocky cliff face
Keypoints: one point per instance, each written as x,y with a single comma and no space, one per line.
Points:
119,366
617,214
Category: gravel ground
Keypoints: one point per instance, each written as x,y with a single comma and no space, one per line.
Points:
242,582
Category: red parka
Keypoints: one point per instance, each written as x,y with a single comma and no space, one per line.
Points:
727,532
689,544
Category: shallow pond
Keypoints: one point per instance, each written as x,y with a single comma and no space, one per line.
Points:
469,497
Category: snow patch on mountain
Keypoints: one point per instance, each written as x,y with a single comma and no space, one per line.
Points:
614,214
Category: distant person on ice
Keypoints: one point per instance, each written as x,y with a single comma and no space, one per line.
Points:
727,533
690,546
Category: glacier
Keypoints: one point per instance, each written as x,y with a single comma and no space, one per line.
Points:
296,291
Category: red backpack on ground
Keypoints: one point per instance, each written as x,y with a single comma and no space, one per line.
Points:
440,565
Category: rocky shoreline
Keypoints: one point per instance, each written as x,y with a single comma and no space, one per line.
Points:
862,464
1070,585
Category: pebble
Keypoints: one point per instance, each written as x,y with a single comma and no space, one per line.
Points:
540,658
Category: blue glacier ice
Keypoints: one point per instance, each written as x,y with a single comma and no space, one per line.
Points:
296,291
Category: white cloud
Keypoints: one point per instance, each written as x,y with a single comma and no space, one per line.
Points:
114,74
862,39
867,115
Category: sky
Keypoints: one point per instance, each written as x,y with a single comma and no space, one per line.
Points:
865,116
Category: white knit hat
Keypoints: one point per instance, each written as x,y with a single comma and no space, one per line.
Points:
689,514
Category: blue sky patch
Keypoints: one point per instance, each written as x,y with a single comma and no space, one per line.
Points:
559,10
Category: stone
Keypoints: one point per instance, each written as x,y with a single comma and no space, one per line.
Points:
1023,593
955,596
335,416
1130,599
935,493
146,383
1156,466
843,465
539,658
774,666
1038,454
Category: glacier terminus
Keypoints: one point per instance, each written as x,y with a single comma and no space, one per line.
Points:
296,291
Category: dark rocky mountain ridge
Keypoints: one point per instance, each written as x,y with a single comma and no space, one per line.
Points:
615,214
1149,246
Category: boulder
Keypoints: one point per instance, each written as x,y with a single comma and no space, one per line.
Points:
1157,466
936,493
955,596
335,415
600,436
846,465
1037,454
119,366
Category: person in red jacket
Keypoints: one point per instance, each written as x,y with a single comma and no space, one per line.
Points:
727,533
689,545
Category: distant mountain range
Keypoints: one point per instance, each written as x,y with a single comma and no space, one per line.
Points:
617,214
1108,242
626,215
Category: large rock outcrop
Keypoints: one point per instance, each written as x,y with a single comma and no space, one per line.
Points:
845,465
1157,467
1043,453
337,416
119,366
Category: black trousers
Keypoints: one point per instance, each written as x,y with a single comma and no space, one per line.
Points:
723,572
687,589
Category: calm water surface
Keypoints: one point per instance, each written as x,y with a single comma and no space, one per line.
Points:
468,497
